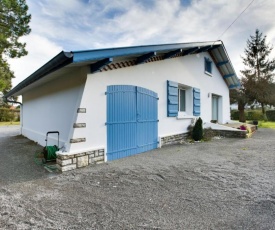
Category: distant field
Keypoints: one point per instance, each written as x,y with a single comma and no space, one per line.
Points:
10,123
267,124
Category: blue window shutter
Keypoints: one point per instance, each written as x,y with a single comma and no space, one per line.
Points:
196,102
208,65
172,99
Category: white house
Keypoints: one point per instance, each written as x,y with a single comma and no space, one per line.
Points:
111,103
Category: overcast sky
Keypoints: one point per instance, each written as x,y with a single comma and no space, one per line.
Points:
89,24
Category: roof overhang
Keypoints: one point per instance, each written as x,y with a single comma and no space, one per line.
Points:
98,58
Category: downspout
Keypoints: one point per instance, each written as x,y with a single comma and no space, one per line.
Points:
21,111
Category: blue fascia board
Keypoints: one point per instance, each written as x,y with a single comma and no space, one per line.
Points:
228,75
90,55
232,86
222,63
67,58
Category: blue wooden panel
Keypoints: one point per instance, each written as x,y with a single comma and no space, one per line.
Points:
147,119
132,125
196,102
172,99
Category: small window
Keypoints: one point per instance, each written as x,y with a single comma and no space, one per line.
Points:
182,100
208,66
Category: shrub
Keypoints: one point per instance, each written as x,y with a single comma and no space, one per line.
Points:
9,115
249,115
235,114
270,115
197,133
254,115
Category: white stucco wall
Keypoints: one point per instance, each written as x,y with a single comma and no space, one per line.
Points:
188,70
52,107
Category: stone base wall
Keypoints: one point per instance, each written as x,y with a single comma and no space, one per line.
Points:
79,160
178,138
174,139
253,128
230,133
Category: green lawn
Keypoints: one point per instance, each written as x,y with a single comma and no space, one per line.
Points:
10,123
267,124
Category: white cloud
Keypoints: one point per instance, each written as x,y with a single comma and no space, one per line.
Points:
40,49
79,24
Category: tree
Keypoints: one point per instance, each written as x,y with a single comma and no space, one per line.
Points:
239,96
197,133
6,76
258,73
14,23
272,89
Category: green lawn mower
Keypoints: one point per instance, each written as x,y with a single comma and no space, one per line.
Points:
50,151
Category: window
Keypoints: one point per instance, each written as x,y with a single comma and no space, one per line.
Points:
208,66
182,100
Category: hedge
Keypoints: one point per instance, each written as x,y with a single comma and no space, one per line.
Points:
9,114
249,115
235,114
270,115
254,115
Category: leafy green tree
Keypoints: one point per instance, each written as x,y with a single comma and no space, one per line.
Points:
6,76
272,89
259,70
14,23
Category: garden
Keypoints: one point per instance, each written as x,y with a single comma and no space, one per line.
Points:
256,115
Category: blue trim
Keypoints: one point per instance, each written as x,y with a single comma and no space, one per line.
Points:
228,75
222,63
172,53
89,55
196,102
234,86
189,51
95,67
172,99
145,57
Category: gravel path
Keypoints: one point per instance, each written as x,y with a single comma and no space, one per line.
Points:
9,130
222,184
17,158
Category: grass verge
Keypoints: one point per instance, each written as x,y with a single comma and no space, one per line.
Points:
10,123
267,124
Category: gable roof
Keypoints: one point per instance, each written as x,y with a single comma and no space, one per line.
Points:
99,58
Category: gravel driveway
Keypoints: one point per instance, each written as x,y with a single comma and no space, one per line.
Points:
222,184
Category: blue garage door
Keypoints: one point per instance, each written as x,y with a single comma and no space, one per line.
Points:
132,120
